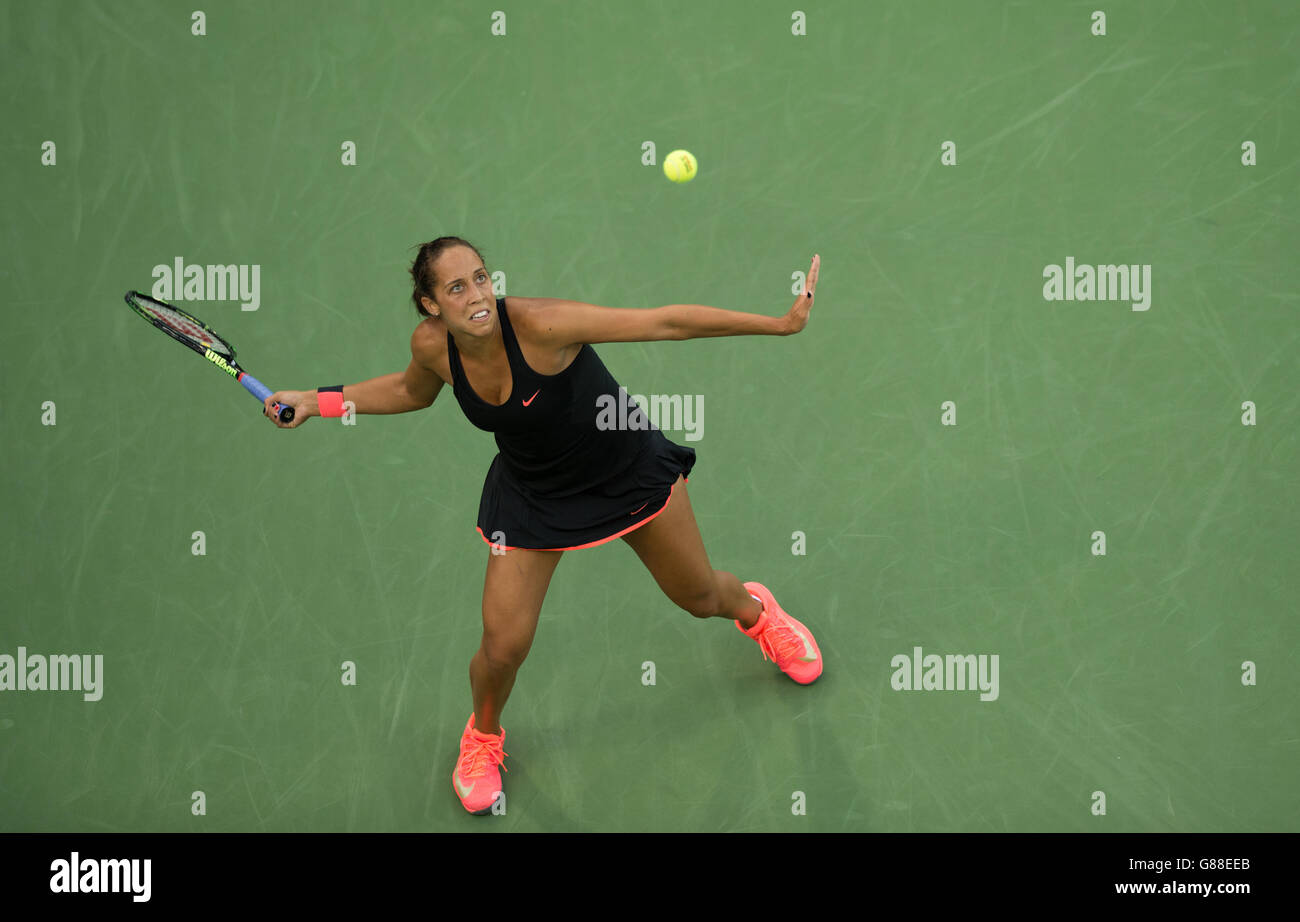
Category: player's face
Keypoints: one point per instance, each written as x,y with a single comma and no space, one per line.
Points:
465,291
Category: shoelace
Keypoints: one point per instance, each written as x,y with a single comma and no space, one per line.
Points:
779,642
481,753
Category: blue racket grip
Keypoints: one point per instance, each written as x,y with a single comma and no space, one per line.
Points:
261,392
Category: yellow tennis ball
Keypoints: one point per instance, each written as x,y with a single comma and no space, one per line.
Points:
680,166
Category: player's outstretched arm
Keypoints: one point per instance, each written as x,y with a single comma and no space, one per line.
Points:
566,322
400,392
695,321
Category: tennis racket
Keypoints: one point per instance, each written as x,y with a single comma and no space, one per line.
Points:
190,331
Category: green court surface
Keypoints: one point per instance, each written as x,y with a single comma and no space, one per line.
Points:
948,447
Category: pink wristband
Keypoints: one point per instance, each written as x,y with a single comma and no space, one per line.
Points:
330,400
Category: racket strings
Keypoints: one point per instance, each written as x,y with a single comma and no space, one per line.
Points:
179,324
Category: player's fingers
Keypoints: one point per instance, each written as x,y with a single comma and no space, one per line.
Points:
269,407
289,425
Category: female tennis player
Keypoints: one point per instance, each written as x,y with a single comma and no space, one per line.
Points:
564,479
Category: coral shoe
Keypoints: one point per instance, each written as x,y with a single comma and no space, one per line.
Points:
476,778
782,639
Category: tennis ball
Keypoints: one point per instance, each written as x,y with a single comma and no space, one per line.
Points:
680,166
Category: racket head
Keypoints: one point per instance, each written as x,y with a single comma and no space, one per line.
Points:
181,326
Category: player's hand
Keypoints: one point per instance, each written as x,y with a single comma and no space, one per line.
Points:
303,403
797,318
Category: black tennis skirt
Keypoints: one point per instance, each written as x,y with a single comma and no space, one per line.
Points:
512,516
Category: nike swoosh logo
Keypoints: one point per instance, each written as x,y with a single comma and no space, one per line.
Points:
460,788
530,399
639,508
810,655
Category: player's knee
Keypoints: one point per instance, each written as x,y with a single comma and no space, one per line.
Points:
504,651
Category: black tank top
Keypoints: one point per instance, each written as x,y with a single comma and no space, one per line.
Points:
547,428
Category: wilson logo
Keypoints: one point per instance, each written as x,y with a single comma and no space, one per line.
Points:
220,363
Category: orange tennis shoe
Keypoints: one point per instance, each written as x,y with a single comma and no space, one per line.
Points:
783,640
476,778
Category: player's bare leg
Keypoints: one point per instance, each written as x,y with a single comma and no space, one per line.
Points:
513,590
671,548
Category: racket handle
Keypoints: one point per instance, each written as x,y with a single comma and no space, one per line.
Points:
261,392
